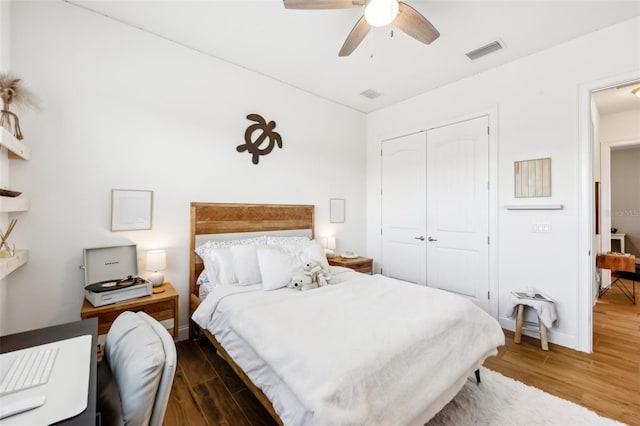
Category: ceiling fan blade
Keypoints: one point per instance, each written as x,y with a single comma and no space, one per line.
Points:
355,37
322,4
414,24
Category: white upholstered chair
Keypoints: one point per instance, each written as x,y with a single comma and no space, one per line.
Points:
135,377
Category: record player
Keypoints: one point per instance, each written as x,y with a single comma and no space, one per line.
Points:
111,275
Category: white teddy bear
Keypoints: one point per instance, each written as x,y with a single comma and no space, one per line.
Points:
302,282
311,269
314,270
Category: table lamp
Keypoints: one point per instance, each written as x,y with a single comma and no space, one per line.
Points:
156,261
331,246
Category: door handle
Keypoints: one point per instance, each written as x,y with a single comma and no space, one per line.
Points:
431,239
421,238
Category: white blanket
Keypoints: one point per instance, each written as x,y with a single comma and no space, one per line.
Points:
546,310
373,350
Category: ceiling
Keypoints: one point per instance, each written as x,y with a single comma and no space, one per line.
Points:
300,47
617,99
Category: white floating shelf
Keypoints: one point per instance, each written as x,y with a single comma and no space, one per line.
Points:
14,204
533,206
10,264
17,149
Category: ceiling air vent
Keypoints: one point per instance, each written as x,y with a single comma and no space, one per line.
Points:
484,50
370,93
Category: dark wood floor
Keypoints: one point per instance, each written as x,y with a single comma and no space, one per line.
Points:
207,392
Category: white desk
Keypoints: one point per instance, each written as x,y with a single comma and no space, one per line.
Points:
41,336
619,237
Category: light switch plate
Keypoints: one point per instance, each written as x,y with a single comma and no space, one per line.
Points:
541,228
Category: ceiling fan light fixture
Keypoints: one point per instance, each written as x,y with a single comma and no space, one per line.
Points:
636,91
380,13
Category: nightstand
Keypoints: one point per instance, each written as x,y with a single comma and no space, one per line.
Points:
360,264
161,306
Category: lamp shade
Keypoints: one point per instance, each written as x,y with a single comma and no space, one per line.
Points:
331,242
329,245
156,260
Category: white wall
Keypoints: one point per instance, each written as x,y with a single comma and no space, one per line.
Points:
5,35
125,109
621,126
537,101
5,49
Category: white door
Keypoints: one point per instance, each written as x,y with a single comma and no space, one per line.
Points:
404,208
458,209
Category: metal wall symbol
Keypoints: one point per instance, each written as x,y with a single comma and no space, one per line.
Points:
265,140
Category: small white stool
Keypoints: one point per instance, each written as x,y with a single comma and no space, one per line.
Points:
538,327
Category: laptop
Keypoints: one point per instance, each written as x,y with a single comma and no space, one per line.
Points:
66,391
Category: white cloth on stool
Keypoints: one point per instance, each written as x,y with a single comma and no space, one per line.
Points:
546,310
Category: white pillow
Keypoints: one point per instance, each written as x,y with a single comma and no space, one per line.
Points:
219,265
205,288
271,240
200,250
202,278
136,357
308,250
245,264
218,262
277,266
314,251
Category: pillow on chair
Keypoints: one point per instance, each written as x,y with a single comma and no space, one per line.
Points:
136,357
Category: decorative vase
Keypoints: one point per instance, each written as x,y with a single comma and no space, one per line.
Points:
7,249
6,118
14,93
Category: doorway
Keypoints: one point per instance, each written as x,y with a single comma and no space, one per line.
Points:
615,131
616,222
589,160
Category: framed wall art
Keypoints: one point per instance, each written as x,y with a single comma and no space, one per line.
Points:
131,209
532,178
336,210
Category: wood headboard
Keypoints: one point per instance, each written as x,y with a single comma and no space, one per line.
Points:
221,218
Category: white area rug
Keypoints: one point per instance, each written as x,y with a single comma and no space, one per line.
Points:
500,400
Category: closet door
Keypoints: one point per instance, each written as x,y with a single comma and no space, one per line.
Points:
458,209
404,208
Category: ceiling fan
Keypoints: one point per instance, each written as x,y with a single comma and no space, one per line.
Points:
377,13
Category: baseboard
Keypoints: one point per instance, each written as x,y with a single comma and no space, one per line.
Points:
553,336
183,333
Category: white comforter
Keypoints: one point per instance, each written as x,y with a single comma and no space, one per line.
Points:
372,350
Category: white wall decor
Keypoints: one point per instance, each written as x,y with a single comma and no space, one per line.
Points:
131,210
532,178
336,210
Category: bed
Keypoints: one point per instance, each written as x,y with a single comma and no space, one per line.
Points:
362,350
